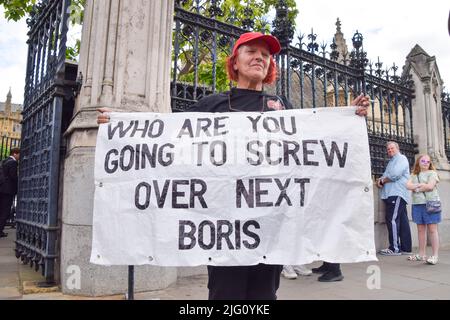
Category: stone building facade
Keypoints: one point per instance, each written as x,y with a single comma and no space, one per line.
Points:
10,118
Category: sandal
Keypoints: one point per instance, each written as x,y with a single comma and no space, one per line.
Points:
417,257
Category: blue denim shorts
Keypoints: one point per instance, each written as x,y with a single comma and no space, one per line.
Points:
421,216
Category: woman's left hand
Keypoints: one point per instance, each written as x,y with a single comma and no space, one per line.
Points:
362,102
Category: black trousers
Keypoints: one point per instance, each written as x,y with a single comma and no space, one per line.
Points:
12,213
259,282
6,201
398,225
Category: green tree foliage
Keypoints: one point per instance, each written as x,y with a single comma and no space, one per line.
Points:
18,9
235,12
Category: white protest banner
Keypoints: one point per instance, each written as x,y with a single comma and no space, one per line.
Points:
188,189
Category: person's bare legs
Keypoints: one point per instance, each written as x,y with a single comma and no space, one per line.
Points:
422,233
434,237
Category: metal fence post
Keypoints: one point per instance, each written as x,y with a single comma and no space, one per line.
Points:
130,295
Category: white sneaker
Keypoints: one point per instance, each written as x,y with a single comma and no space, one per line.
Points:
301,270
289,273
432,260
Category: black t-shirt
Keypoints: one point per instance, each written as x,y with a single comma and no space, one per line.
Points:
241,100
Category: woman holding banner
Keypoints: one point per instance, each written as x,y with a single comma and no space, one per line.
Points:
251,66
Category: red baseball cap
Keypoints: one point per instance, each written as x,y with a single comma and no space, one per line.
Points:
272,42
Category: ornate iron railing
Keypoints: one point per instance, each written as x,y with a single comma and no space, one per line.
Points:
6,143
311,75
47,97
446,121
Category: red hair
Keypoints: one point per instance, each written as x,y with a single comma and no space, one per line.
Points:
233,74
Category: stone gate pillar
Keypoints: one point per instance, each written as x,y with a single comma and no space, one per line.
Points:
426,106
125,63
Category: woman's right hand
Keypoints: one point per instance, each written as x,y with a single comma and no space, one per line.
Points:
103,117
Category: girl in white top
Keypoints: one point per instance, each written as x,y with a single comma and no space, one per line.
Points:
423,184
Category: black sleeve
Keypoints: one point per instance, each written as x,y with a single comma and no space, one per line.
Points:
12,170
194,107
209,103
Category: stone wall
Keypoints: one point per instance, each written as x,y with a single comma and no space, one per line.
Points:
125,63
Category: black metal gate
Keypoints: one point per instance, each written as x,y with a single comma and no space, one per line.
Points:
48,96
6,143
